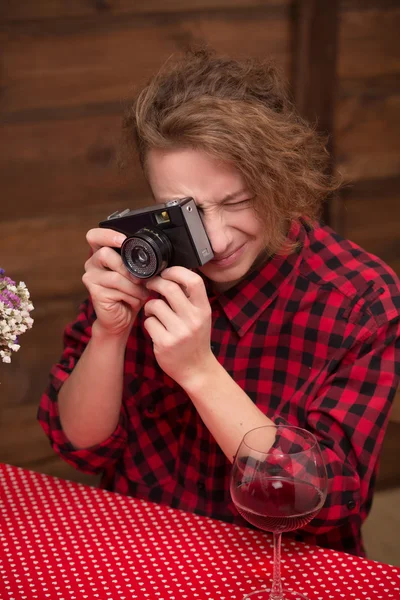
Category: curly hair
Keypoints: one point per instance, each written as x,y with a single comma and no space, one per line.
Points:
237,111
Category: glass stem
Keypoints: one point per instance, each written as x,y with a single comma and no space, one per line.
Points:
276,591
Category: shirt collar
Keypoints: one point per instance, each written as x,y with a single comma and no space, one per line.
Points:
243,303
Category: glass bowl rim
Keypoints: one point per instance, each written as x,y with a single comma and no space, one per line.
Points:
314,440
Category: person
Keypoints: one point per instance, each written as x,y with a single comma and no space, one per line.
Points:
288,323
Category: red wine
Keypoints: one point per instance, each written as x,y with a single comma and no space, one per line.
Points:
276,504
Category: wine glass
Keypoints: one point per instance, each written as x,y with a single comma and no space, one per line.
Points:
278,483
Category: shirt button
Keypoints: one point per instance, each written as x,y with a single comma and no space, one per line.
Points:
201,486
151,409
351,504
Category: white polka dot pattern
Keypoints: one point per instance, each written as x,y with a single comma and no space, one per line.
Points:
66,541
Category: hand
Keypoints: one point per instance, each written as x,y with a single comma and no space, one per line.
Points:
180,323
117,295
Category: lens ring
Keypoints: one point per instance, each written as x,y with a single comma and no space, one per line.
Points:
152,243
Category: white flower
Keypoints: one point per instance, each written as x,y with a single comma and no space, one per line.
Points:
6,358
15,318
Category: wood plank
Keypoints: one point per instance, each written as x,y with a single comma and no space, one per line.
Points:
315,47
55,9
314,68
395,414
22,440
11,11
48,253
389,475
368,44
66,167
380,539
367,134
82,63
363,5
371,217
372,221
24,444
24,380
373,188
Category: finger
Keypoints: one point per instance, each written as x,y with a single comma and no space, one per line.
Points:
107,258
192,282
114,296
174,293
99,237
164,314
157,331
113,280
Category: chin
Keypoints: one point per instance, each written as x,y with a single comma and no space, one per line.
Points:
224,280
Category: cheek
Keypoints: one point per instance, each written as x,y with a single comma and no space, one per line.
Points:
251,225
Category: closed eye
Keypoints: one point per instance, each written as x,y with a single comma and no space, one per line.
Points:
238,205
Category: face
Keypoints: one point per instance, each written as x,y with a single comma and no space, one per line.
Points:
236,234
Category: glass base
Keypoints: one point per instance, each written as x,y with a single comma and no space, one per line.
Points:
266,595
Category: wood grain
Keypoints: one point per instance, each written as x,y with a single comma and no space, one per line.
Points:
368,44
66,167
367,136
372,217
59,9
85,63
314,70
23,381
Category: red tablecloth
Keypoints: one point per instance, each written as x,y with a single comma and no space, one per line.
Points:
66,541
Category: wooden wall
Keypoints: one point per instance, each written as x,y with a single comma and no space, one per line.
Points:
68,67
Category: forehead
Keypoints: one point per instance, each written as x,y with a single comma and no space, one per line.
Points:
189,172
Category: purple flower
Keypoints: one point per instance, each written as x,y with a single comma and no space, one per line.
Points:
14,315
8,281
10,299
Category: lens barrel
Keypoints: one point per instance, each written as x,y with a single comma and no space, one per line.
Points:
147,253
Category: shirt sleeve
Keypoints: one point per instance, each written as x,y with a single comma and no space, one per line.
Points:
98,458
349,418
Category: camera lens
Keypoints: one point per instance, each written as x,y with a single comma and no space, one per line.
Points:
140,257
147,253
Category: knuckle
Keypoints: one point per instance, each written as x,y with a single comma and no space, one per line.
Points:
197,282
155,303
196,325
168,344
86,279
87,264
103,252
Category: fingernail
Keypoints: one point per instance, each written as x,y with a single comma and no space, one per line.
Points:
118,239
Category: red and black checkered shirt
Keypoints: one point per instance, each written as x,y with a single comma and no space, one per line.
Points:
313,338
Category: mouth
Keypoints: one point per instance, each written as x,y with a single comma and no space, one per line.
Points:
227,260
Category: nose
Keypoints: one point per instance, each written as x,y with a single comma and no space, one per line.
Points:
219,234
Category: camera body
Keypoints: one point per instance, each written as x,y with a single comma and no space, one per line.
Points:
160,236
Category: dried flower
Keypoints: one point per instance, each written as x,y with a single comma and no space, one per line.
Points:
15,307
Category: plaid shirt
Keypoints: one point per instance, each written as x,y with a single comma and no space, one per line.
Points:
313,338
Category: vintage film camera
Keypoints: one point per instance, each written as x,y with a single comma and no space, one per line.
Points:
161,236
